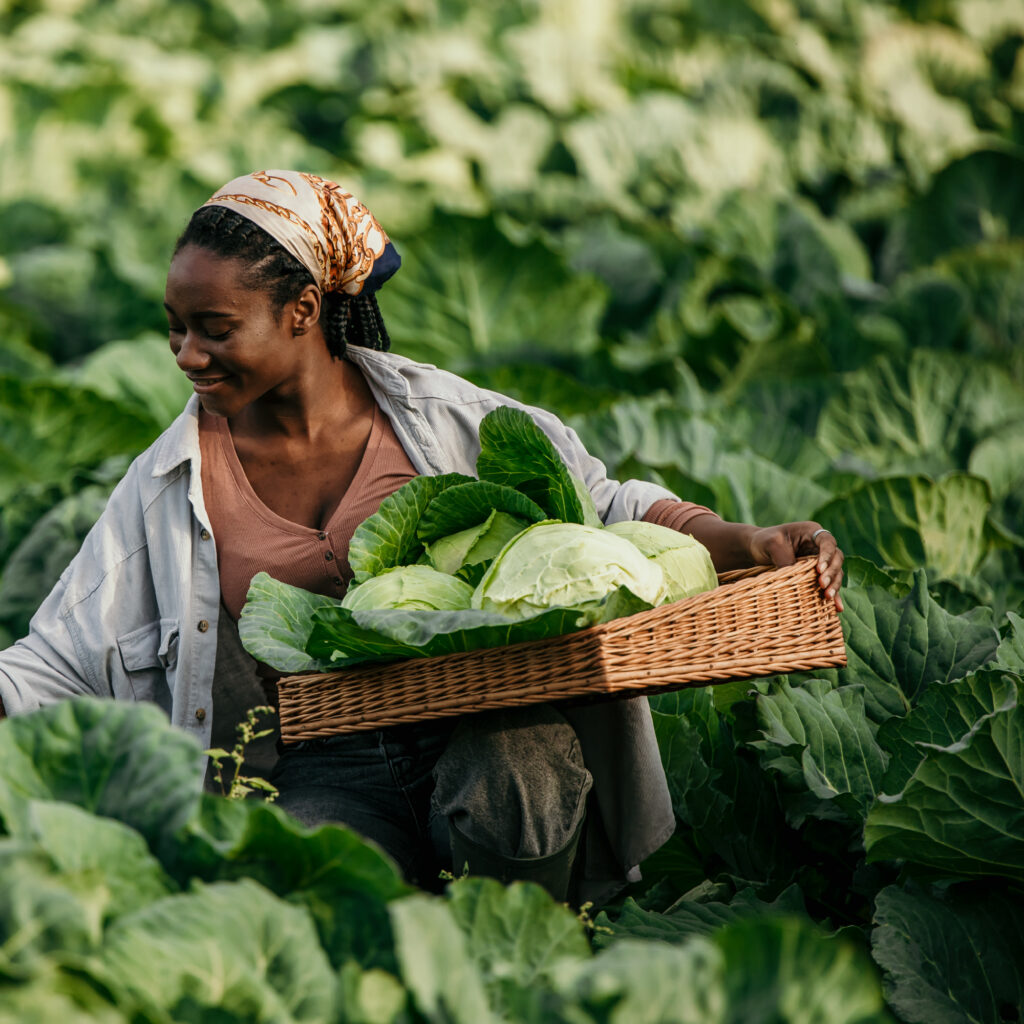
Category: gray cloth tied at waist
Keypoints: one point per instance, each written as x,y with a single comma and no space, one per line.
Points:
514,781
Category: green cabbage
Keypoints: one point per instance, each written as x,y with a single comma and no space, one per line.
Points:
414,587
552,564
685,562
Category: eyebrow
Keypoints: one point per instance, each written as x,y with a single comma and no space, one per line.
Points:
205,314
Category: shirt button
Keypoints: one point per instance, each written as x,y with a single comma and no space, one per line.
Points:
322,536
329,555
205,534
203,626
200,714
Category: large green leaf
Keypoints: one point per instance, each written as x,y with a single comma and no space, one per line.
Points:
276,621
437,966
909,522
719,791
344,881
953,957
515,934
966,203
688,917
960,812
140,374
36,564
466,505
698,460
50,429
468,296
823,743
639,982
81,846
947,714
341,638
46,912
899,641
1011,650
515,452
116,759
389,536
231,948
756,970
59,996
924,415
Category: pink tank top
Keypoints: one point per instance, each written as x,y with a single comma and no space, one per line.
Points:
252,538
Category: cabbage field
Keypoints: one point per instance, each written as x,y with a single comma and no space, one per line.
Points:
769,253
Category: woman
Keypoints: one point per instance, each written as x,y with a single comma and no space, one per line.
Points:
302,422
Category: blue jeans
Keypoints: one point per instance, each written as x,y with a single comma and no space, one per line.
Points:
379,784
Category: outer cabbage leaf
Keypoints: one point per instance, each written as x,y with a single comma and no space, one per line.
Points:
341,638
117,759
465,505
276,621
232,948
515,934
688,917
911,521
821,739
44,441
344,880
83,846
952,956
389,536
757,968
515,452
947,714
36,564
960,812
926,415
467,295
139,373
436,963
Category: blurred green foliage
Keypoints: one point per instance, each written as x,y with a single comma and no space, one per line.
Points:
768,252
782,228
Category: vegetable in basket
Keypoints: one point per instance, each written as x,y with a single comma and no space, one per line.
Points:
525,534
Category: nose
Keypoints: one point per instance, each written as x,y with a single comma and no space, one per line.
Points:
188,352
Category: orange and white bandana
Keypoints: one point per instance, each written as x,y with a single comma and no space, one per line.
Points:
324,227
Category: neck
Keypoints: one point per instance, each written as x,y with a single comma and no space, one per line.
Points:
331,395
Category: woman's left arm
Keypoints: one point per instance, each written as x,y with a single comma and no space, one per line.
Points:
739,546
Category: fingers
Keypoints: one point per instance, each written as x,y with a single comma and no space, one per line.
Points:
830,566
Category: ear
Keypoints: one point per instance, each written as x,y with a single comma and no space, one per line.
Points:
305,310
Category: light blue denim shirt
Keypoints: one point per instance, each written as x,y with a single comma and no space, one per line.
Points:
135,614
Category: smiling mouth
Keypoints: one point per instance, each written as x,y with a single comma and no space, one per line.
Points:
202,383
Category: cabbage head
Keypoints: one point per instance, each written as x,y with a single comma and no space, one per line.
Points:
566,565
685,562
417,587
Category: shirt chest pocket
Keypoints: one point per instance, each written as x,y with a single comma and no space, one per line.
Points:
147,655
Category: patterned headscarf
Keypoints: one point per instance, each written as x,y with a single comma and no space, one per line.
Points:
324,227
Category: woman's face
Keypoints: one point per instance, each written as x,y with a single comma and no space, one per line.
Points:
226,336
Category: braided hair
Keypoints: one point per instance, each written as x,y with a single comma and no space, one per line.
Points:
346,319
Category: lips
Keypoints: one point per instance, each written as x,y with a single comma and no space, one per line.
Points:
201,384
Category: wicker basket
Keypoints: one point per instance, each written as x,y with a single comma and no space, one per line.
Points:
760,621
